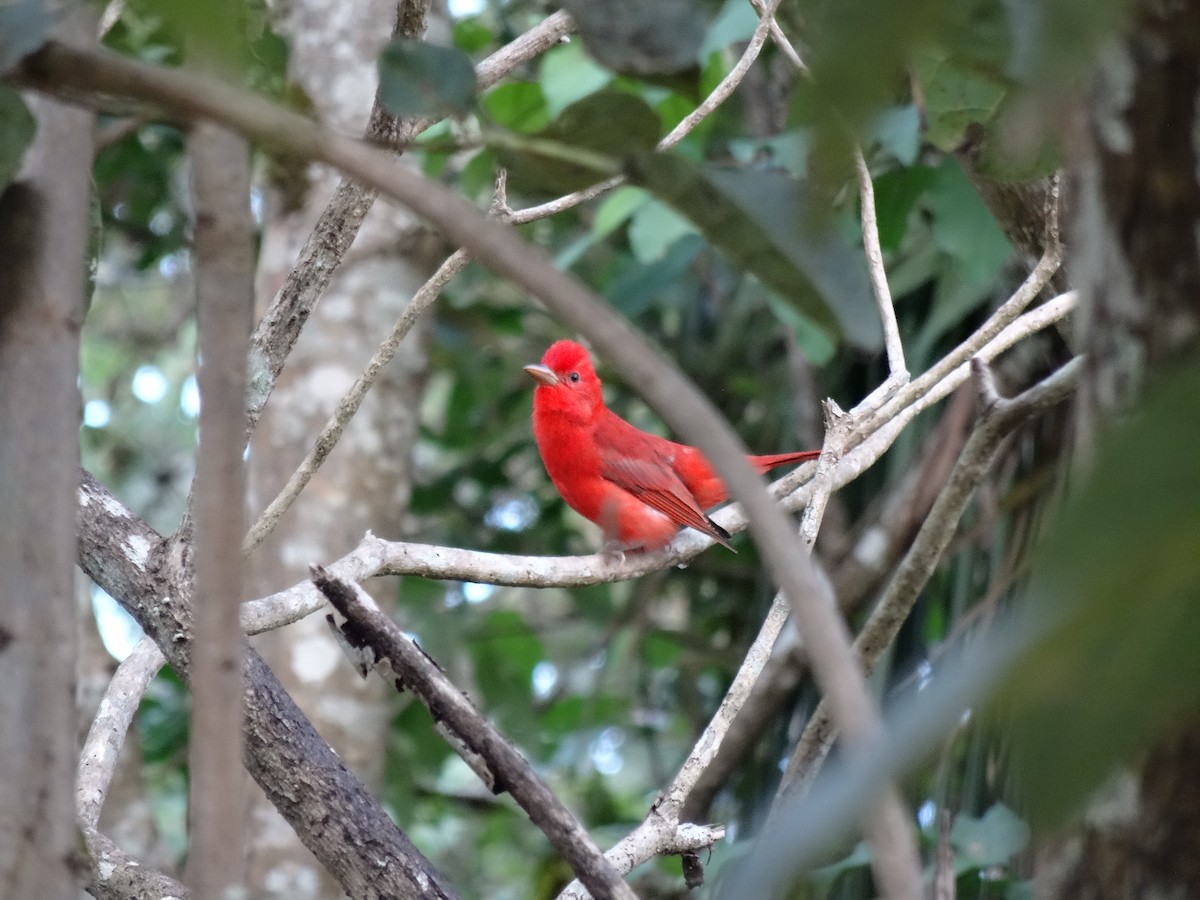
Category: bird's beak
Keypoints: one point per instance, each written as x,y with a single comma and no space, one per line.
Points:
542,375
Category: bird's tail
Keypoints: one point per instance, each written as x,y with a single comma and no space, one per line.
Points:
771,460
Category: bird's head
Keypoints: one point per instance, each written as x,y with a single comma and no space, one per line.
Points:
567,383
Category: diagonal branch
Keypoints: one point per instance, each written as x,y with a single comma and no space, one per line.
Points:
367,626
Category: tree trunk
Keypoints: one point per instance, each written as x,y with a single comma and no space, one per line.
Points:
43,274
364,485
1135,215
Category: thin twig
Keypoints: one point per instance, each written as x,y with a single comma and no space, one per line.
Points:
349,404
879,284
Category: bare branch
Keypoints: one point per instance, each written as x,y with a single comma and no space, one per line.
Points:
338,225
415,671
879,283
106,737
115,875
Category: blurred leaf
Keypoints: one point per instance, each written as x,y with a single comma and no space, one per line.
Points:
17,127
217,30
420,79
896,195
735,23
616,208
471,34
1121,568
991,840
636,284
655,227
765,223
815,342
964,227
517,105
505,650
898,131
630,36
956,95
23,28
568,74
581,146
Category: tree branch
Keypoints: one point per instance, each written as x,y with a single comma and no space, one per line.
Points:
330,809
367,626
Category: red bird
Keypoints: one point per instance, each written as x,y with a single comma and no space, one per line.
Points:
640,488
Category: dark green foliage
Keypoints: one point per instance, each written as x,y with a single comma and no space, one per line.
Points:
420,79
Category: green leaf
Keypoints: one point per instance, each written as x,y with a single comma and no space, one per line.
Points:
1121,571
655,227
23,28
964,227
638,38
735,23
636,284
615,209
764,222
991,840
17,127
568,74
896,195
957,95
898,131
581,146
815,342
517,105
471,34
419,79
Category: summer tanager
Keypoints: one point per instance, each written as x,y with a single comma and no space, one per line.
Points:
639,488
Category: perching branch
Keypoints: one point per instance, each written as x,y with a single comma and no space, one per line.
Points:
414,670
375,556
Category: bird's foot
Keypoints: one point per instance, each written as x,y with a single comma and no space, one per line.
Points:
613,553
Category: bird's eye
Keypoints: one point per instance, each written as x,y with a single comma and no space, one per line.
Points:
574,376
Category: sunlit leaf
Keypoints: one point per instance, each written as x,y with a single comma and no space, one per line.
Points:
1122,568
653,228
568,74
956,96
420,79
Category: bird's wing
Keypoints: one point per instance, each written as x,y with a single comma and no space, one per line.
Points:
658,487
